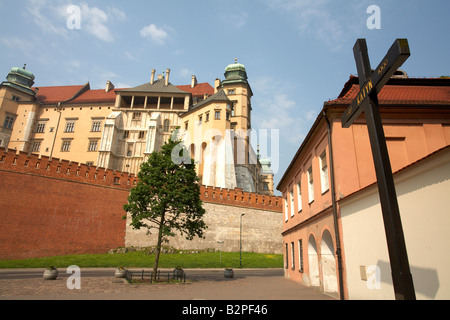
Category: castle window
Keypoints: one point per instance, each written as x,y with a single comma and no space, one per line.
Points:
310,185
142,135
65,147
232,92
93,144
324,172
41,127
36,147
166,125
286,209
300,255
207,117
186,125
8,124
137,116
293,255
299,196
233,110
96,126
217,115
70,126
130,147
200,120
286,256
126,134
292,203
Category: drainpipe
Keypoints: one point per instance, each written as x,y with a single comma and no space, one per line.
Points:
335,217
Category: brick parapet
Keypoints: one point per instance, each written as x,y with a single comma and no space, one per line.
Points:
238,197
63,169
68,170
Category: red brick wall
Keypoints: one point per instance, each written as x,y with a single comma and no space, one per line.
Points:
240,198
53,207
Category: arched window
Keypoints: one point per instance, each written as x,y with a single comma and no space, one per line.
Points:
166,125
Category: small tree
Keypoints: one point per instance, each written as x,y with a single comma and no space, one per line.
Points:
167,197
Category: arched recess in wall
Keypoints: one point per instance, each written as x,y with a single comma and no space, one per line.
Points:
192,151
202,162
313,261
328,263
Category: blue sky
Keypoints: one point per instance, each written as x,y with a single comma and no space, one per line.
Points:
298,53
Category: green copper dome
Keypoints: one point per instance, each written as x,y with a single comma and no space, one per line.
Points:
235,66
235,73
21,79
23,72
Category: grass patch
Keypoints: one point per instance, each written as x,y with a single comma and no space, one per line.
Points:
139,259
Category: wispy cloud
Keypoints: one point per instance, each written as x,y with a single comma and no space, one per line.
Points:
47,16
315,18
159,35
278,110
131,56
236,20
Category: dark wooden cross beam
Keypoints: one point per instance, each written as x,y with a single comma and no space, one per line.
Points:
371,84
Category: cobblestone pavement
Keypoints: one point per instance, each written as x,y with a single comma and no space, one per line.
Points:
109,288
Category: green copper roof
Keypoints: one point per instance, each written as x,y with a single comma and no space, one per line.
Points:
235,73
23,72
20,79
235,66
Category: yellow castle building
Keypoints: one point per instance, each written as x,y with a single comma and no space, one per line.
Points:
119,128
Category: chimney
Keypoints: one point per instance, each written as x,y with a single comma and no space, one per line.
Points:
167,76
152,79
216,85
193,81
109,86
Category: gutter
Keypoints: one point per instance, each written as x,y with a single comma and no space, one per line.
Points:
335,215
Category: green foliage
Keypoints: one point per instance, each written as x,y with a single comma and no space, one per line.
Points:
167,196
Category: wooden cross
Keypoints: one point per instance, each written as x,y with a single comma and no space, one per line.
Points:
371,84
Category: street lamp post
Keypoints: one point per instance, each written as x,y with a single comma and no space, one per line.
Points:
220,251
240,243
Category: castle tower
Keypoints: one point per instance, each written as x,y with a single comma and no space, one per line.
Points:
238,90
17,101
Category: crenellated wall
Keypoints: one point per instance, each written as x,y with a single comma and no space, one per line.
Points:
63,169
57,207
240,198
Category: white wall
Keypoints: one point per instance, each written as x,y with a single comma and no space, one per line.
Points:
423,192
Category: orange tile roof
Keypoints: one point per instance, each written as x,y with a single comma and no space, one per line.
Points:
199,90
412,92
92,96
55,94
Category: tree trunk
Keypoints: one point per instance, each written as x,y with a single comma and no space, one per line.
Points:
158,248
